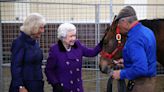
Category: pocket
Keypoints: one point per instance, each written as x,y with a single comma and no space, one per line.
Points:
13,88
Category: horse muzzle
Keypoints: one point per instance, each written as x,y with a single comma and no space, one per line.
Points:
105,69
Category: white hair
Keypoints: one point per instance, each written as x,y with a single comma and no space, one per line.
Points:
32,23
63,29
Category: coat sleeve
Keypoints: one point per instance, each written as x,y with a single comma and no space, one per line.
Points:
17,55
90,52
51,68
139,67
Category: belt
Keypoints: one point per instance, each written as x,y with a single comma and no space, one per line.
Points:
138,81
145,79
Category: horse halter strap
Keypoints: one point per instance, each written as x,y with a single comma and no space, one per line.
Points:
118,48
118,35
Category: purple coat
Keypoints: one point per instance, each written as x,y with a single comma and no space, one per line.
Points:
65,67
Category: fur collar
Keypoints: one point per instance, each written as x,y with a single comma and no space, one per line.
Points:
62,48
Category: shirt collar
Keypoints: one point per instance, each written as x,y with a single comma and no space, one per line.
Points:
62,48
133,29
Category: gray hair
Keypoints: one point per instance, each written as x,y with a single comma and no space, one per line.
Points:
126,12
32,23
132,19
63,29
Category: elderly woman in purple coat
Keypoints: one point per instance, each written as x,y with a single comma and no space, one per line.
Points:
64,64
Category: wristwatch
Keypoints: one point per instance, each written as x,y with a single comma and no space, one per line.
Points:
20,87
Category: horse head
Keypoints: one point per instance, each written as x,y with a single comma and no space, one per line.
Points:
112,48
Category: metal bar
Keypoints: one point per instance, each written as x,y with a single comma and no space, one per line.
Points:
49,3
1,56
81,3
97,38
111,11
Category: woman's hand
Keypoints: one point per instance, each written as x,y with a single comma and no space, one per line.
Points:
23,89
57,88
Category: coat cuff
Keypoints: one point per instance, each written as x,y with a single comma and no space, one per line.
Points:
122,74
18,83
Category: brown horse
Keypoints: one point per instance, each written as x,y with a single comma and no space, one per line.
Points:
112,50
157,26
112,47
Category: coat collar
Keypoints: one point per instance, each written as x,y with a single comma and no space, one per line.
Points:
62,48
27,38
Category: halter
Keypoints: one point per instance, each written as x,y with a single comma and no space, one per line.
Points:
118,48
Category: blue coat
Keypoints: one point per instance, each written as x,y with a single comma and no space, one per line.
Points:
26,61
139,53
65,67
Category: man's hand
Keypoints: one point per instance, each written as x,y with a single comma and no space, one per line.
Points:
119,62
116,74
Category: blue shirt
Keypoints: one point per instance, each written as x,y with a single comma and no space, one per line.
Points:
139,53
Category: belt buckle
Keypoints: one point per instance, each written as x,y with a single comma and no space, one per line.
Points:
130,85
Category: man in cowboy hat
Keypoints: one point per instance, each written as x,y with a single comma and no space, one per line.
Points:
139,53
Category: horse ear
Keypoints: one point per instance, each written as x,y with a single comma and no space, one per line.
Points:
114,17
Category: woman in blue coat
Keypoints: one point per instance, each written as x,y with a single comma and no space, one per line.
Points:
26,58
64,64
